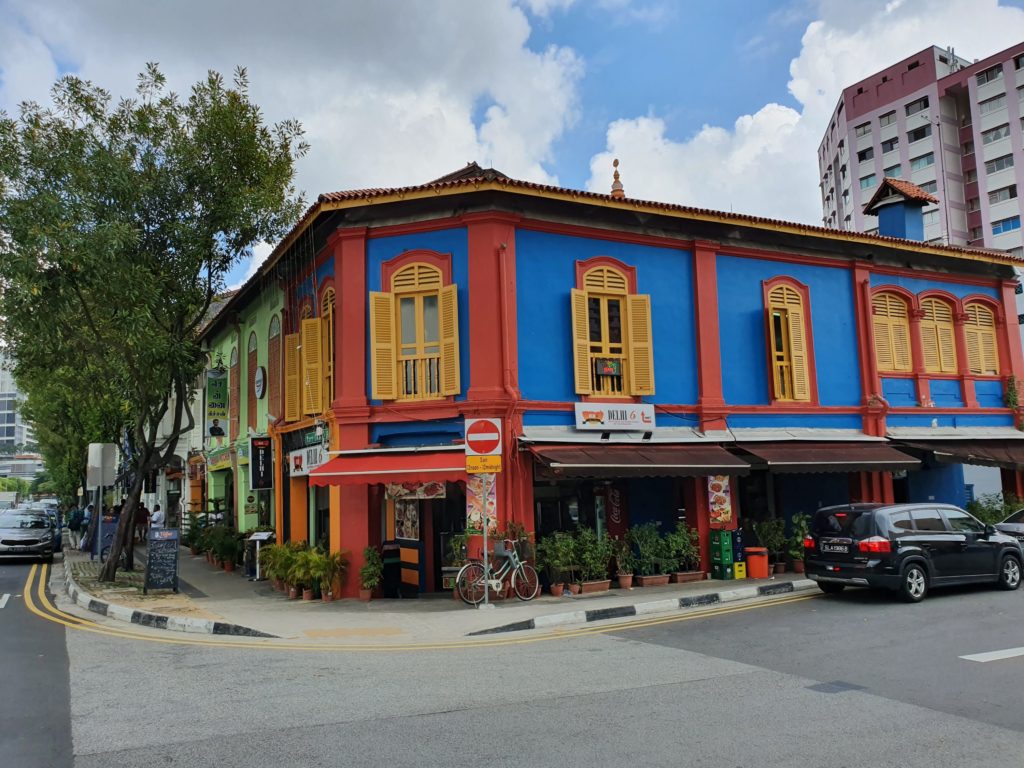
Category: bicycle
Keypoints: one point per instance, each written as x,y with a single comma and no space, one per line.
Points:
471,582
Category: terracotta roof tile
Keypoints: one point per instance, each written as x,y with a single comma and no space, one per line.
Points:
908,190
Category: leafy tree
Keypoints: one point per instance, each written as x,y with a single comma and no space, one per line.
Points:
118,224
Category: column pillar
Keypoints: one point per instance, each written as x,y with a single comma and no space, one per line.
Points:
710,398
963,367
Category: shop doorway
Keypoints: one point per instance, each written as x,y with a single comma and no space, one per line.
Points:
322,517
449,521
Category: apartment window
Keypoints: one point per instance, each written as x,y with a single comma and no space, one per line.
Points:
611,329
862,130
788,340
999,164
1002,195
995,134
973,204
866,154
1018,61
890,319
938,336
991,74
929,186
993,104
976,233
980,335
894,171
924,161
917,106
1005,225
919,133
887,119
890,145
866,182
970,176
968,148
930,217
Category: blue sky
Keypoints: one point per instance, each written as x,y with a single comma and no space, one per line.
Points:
716,104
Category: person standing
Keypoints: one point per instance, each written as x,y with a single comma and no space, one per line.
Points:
156,520
141,522
75,520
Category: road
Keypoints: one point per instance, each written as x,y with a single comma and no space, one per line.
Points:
858,680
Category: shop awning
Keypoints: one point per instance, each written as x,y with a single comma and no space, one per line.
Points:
388,467
829,457
986,453
611,461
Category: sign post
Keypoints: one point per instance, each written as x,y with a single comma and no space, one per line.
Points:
483,457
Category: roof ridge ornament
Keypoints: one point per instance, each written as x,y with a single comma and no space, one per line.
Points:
617,191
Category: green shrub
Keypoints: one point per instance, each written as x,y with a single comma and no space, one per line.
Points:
372,572
992,508
800,528
652,555
683,545
593,553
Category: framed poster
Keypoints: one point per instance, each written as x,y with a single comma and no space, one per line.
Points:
481,504
407,519
720,499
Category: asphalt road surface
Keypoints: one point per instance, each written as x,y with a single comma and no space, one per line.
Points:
858,680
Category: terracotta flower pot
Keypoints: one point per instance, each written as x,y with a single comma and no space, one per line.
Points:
798,566
307,594
292,593
365,595
684,577
194,551
229,565
574,588
625,581
327,597
278,585
657,580
589,587
780,567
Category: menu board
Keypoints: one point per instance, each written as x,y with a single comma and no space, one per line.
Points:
161,560
720,500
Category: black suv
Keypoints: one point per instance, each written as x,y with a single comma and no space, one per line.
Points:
907,547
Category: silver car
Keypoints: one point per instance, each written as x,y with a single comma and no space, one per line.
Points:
1014,525
26,534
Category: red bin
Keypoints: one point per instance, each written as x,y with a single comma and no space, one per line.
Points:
757,562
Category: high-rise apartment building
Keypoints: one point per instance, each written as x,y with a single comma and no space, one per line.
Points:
13,429
951,126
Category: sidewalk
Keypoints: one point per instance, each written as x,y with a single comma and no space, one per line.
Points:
230,598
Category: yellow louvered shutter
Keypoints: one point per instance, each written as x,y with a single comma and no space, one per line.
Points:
450,371
938,337
605,280
982,348
292,399
312,367
798,356
383,364
581,343
892,333
883,344
641,349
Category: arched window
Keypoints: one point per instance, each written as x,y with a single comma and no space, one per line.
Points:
891,322
251,364
980,335
938,336
274,369
414,335
327,317
789,341
611,328
235,394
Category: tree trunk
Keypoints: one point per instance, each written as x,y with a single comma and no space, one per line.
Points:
126,525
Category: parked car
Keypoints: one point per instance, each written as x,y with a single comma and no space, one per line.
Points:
51,510
1013,525
909,548
25,533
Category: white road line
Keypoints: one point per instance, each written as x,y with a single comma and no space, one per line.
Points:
1009,653
3,600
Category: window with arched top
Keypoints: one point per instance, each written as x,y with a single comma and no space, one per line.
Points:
938,336
327,321
891,323
611,328
414,335
789,340
234,394
251,364
980,338
274,383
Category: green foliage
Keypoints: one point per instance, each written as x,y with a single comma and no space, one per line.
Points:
372,572
625,562
457,549
120,220
992,508
799,529
270,555
306,569
335,566
593,553
772,535
557,554
683,545
652,553
194,533
1011,397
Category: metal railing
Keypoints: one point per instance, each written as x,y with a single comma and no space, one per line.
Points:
420,376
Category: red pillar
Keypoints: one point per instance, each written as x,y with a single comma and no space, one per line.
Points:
698,515
710,401
963,368
871,487
1013,482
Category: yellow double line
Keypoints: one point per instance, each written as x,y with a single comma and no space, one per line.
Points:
48,611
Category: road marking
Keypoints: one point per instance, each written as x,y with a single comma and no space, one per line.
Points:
1009,653
53,614
3,599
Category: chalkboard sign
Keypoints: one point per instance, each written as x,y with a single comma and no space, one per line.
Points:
162,560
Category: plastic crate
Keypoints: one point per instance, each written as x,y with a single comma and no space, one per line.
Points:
721,557
739,570
723,571
719,537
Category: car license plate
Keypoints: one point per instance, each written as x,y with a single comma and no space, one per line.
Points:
842,548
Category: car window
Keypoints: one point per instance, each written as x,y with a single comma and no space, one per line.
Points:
855,523
928,520
1016,517
962,522
19,520
900,521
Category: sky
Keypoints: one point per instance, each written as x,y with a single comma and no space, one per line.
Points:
711,103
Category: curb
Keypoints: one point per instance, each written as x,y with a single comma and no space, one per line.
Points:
156,620
655,606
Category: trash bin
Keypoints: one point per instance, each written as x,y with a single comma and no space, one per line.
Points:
757,562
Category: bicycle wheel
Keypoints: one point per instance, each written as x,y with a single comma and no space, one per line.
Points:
470,583
525,583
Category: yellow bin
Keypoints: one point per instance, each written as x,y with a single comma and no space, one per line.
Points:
739,570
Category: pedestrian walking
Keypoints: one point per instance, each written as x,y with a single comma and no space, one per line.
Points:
156,520
75,520
83,541
141,522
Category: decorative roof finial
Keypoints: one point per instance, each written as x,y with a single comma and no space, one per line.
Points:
617,191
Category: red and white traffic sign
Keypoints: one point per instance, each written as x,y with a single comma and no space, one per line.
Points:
483,437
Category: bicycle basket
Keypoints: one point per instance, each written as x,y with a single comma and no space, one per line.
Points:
500,550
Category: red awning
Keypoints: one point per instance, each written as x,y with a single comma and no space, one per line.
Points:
387,467
611,461
829,457
1006,454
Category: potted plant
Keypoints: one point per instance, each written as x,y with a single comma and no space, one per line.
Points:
283,562
332,569
227,549
624,563
772,535
371,574
193,535
304,572
267,556
683,545
593,553
799,529
556,555
651,555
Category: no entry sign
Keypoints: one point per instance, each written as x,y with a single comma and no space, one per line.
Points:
483,445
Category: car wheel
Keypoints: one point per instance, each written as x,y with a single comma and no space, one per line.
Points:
1009,573
914,584
831,589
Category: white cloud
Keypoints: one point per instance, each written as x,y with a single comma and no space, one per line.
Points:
259,254
765,164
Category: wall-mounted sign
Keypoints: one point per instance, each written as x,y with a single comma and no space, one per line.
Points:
304,460
220,460
615,417
259,382
720,499
483,445
216,406
481,504
261,463
431,490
